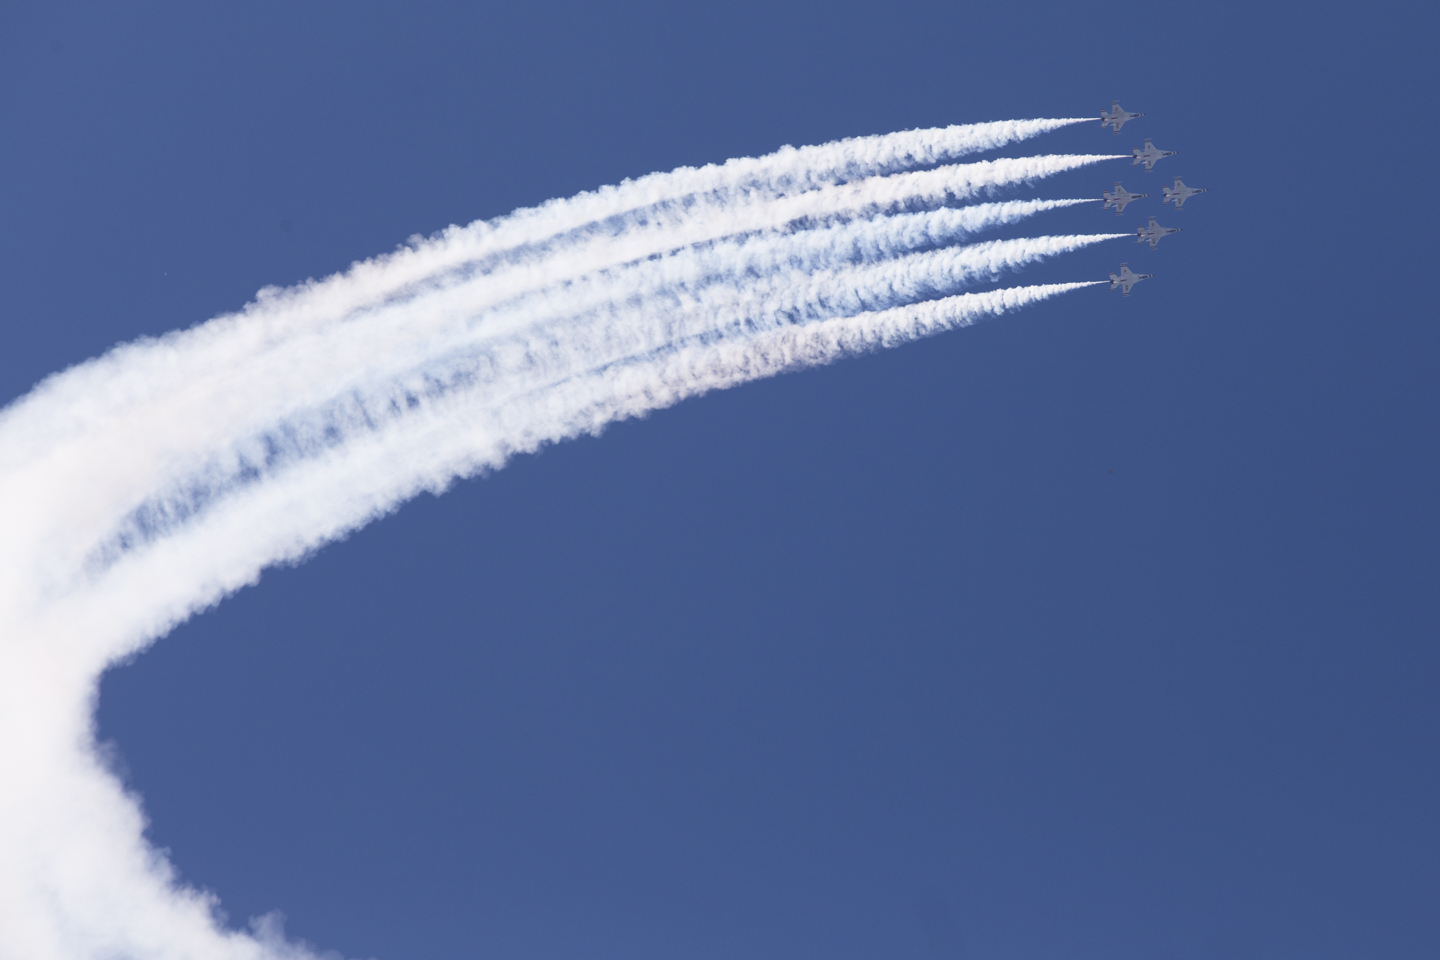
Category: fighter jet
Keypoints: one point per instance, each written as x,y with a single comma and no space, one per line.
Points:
1150,155
1116,116
1154,232
1119,198
1127,279
1181,193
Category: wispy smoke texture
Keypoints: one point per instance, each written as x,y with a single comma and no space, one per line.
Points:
147,484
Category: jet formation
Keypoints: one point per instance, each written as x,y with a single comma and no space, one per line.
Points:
1149,155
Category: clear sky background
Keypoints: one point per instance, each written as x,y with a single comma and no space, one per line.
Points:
1103,630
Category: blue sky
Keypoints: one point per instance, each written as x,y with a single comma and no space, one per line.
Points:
1104,629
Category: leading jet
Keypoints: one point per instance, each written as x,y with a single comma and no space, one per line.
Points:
1149,156
1127,279
1119,198
1116,116
1154,232
1181,193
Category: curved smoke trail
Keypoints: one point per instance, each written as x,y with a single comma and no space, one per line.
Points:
140,487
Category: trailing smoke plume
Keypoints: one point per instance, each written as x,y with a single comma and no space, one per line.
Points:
147,484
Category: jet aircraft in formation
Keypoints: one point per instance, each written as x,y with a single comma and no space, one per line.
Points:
1150,155
1119,198
1154,232
1180,193
1115,118
1127,279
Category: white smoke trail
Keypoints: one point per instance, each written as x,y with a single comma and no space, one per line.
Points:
140,487
788,171
604,336
607,336
433,264
151,379
232,377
